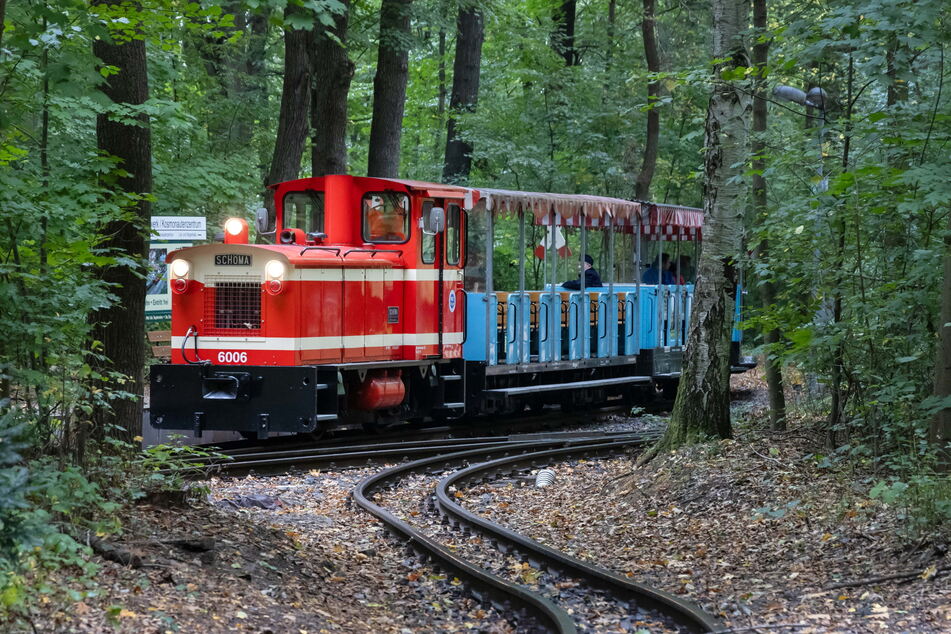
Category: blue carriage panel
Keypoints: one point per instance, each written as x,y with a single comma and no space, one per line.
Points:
737,335
632,330
648,318
549,327
607,325
688,309
578,326
475,346
518,328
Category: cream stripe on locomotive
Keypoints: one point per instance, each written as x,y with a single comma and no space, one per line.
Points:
378,275
322,343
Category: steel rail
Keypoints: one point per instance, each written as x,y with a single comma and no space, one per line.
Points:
359,455
554,617
682,613
548,615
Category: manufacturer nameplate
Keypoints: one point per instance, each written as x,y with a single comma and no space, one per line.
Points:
232,259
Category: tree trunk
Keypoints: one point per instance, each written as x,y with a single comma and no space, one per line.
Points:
121,327
295,106
465,90
3,13
772,337
646,175
333,71
702,407
389,89
941,423
443,93
563,36
248,86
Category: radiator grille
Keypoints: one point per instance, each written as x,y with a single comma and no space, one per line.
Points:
233,308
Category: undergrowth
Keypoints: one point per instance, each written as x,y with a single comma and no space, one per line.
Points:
48,508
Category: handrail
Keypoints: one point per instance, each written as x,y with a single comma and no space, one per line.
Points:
373,251
577,310
336,250
543,321
514,322
465,314
629,319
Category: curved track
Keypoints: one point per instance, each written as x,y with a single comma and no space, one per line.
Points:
536,609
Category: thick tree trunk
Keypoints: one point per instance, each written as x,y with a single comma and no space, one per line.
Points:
772,337
333,71
3,13
121,327
443,93
702,407
646,175
389,89
563,36
941,423
465,90
248,87
295,107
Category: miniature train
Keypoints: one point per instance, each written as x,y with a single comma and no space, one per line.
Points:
376,304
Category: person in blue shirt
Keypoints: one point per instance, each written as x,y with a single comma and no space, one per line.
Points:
660,268
591,277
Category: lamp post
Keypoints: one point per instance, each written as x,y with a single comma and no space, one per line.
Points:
815,98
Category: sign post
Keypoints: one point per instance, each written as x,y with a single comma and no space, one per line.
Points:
169,234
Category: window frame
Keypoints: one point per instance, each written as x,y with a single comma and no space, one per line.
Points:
407,225
425,236
305,192
460,251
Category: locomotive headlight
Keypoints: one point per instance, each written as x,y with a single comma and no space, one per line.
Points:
234,226
180,268
274,270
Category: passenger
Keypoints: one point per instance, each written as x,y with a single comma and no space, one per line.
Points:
659,269
687,272
591,277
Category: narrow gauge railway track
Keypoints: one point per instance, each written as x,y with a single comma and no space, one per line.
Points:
589,586
364,453
549,420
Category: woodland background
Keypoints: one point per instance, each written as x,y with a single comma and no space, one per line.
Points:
110,112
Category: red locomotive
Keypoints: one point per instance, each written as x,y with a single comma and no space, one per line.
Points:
358,314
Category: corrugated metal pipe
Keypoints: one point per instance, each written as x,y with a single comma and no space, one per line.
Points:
544,478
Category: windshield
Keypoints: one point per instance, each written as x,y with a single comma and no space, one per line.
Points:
304,210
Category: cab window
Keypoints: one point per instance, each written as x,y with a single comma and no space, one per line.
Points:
454,220
427,243
304,210
385,217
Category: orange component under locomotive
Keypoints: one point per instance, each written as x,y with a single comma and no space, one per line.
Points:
381,389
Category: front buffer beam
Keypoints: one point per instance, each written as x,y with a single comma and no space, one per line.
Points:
255,400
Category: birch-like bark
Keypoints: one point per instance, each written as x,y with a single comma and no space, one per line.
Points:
702,407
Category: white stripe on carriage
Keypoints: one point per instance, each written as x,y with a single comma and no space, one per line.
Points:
319,343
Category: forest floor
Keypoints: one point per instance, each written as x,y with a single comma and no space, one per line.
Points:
761,530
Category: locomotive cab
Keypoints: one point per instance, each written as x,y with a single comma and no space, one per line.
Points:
332,325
